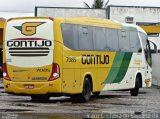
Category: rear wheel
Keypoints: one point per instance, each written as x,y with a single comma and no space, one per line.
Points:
135,91
86,93
40,98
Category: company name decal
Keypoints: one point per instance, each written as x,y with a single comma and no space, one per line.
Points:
95,59
29,47
29,42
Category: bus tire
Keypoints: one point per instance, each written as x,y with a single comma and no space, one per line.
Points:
40,98
86,93
87,90
135,91
96,94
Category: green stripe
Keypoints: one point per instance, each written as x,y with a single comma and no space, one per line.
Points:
114,70
124,67
119,68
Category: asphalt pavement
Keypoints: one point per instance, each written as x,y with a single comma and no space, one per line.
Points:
110,104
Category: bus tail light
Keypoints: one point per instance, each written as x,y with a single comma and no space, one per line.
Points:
5,73
55,72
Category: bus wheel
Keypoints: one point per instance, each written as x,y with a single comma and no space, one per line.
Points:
135,91
87,89
96,94
40,98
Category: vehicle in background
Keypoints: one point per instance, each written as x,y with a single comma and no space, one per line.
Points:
153,31
2,24
75,56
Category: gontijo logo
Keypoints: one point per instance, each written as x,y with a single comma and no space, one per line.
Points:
29,46
29,28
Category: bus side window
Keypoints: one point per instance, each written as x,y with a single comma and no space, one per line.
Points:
99,39
70,36
146,47
134,42
112,39
124,43
85,38
153,47
68,39
148,52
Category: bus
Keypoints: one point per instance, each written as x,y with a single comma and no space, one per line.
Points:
154,44
155,50
76,56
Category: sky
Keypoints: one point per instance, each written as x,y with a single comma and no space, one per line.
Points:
13,8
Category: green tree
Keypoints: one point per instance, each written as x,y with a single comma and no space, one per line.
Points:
97,4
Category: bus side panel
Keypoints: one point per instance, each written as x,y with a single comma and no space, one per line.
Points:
101,73
77,81
93,73
71,81
83,63
68,78
121,72
140,66
74,71
124,84
71,72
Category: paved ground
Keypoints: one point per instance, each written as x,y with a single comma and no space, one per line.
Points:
110,104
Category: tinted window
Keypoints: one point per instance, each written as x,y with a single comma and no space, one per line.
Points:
135,42
85,38
124,43
70,37
80,37
112,39
146,47
99,39
153,47
144,39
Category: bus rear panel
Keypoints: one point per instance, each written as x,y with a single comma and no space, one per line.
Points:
28,65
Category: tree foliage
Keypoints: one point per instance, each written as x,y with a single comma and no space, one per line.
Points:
97,4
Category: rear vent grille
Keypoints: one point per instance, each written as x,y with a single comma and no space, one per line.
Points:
29,52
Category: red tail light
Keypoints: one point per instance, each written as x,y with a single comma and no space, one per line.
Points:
55,72
5,73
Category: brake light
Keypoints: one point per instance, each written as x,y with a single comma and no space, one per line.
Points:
5,73
55,72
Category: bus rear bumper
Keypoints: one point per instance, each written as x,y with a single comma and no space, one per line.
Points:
31,88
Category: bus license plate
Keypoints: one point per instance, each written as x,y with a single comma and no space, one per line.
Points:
29,86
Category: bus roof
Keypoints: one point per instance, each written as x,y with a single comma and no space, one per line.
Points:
104,23
92,21
133,27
